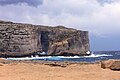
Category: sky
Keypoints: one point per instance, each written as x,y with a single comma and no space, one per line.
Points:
99,17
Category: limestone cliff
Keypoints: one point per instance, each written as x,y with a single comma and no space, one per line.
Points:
18,39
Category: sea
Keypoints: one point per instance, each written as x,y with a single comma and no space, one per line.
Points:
95,56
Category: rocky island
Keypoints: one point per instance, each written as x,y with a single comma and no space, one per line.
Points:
19,40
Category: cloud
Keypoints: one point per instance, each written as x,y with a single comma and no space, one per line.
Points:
100,20
29,2
107,1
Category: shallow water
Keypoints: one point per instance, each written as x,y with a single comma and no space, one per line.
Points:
92,58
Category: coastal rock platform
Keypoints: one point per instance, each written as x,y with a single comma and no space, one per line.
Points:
40,70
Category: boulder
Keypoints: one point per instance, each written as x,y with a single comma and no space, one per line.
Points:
111,64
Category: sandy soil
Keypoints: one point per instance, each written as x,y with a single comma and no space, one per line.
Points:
30,71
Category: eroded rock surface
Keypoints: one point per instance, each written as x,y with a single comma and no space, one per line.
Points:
18,39
111,64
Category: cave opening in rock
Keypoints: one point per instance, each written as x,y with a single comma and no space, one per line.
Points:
45,41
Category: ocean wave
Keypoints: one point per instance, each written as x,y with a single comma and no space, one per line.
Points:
98,55
59,57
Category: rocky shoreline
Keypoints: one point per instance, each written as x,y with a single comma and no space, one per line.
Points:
39,55
4,61
111,64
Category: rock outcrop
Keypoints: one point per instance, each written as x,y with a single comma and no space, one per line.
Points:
111,64
18,39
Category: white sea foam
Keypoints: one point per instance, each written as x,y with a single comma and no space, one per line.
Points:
59,57
29,58
47,57
68,56
98,55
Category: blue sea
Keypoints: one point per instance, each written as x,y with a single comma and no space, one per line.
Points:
94,57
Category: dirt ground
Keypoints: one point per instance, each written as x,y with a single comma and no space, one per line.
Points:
30,71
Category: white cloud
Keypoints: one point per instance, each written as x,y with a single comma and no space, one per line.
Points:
88,15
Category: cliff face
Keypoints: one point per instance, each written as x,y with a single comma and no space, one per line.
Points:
24,39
